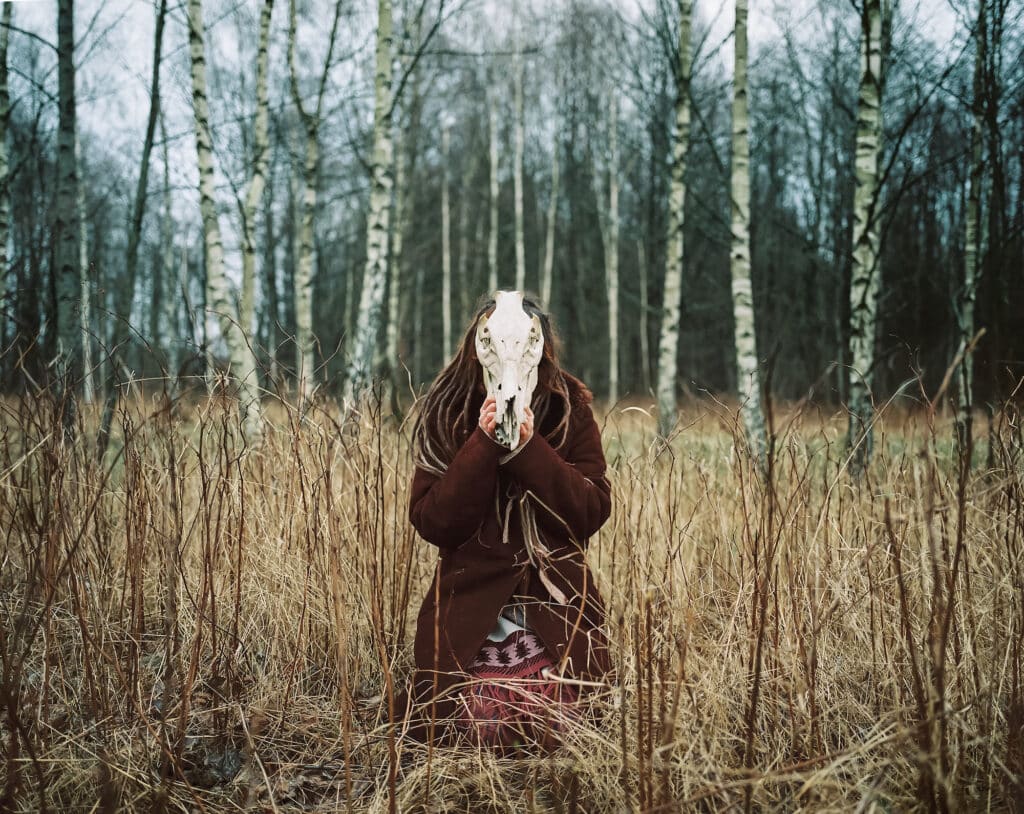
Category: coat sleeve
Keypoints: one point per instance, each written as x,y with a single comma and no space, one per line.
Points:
446,510
574,494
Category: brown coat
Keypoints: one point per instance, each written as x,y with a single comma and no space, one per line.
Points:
477,573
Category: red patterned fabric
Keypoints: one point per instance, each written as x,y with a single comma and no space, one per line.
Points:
508,702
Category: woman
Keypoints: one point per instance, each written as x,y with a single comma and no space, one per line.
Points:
510,631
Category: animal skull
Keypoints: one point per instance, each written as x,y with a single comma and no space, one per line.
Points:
509,345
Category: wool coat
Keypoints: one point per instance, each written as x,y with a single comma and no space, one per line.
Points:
471,514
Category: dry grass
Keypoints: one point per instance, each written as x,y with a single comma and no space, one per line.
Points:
190,626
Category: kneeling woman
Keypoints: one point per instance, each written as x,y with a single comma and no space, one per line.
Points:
509,484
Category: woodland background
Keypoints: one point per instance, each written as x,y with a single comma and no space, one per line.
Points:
455,71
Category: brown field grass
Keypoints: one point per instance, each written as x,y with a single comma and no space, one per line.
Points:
192,626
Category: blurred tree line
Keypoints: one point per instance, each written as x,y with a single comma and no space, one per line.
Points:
591,87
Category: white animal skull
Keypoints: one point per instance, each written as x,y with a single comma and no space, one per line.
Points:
509,345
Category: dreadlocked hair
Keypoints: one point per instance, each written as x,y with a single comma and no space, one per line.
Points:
446,416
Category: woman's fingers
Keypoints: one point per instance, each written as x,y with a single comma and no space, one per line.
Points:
487,415
526,428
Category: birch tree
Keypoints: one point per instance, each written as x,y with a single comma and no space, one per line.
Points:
303,283
608,220
548,271
972,253
517,167
167,325
5,190
492,235
668,347
85,307
748,379
256,182
375,275
866,272
126,291
446,239
218,297
67,257
405,144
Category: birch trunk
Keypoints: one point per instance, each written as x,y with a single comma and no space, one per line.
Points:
218,297
121,332
547,274
462,269
748,378
446,246
972,253
517,170
85,310
170,323
257,177
375,275
864,281
492,237
645,351
612,253
67,257
668,346
395,267
303,283
607,218
5,192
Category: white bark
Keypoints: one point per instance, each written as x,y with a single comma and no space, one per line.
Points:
395,267
866,272
5,192
612,256
517,177
547,275
168,319
257,174
608,219
446,244
218,297
748,377
492,237
668,346
645,351
303,277
67,254
85,309
972,252
375,275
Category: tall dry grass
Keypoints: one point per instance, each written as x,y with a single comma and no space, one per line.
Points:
189,625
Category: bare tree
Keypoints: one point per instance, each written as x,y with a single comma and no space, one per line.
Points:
311,121
866,275
67,252
121,332
446,239
218,298
517,162
972,253
748,378
375,276
5,190
492,235
608,220
669,345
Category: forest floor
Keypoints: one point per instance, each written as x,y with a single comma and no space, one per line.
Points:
189,625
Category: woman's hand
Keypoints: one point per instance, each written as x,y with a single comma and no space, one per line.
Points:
526,428
487,416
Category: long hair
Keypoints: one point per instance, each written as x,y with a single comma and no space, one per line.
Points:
448,412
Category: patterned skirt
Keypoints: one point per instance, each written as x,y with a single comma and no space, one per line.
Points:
509,701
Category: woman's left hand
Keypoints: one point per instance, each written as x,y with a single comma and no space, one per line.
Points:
526,428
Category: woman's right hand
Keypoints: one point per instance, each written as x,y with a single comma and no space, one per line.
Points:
487,416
